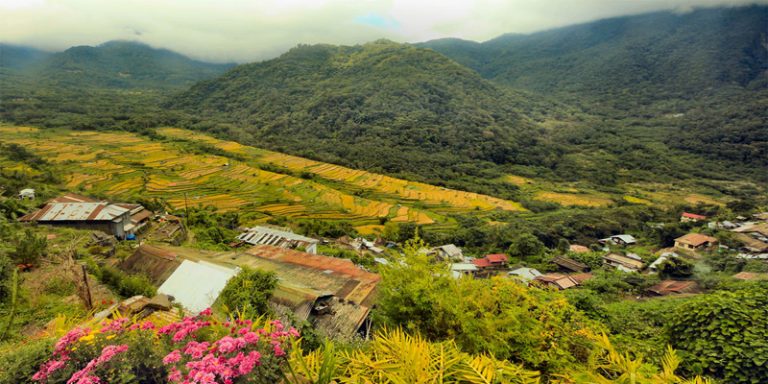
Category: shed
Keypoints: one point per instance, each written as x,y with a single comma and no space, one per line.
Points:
279,238
622,263
446,252
525,274
27,194
569,264
197,285
556,280
623,240
674,287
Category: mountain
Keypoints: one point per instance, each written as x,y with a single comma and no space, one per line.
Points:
380,106
680,54
15,57
696,81
122,64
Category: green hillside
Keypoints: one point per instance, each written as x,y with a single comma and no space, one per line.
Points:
676,54
697,81
381,106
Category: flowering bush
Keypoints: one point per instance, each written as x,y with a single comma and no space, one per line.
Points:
196,349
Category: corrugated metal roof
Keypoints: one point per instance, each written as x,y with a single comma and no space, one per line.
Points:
303,280
88,211
197,285
272,236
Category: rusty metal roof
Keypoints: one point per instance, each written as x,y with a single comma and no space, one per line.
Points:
155,263
88,211
304,280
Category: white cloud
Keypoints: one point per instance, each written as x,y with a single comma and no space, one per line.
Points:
246,30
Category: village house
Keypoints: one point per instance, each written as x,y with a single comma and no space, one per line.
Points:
622,240
561,281
76,211
695,242
361,244
100,216
623,263
27,194
260,235
448,252
687,217
490,264
674,287
463,269
525,274
567,264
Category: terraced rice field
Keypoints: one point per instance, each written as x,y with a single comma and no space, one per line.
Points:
126,166
573,199
386,186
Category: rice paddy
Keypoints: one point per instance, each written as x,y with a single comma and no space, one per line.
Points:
573,199
127,166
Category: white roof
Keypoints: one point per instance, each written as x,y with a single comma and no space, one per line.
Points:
661,259
26,191
463,267
197,285
272,236
79,212
527,274
625,238
628,239
451,250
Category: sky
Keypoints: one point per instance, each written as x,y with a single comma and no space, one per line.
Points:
250,30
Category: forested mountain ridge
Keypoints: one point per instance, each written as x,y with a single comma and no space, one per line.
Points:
678,53
698,81
115,64
384,104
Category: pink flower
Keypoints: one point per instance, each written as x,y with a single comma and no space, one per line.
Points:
109,352
172,357
251,337
71,336
48,368
115,325
229,344
206,312
148,325
175,375
195,349
279,352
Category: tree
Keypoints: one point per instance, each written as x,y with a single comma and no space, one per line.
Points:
249,292
497,316
29,248
525,246
676,267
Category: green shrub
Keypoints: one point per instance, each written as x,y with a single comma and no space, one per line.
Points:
249,292
18,364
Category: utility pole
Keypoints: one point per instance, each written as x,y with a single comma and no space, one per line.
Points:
88,298
186,211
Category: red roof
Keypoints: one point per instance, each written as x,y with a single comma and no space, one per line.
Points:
694,216
481,263
497,258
